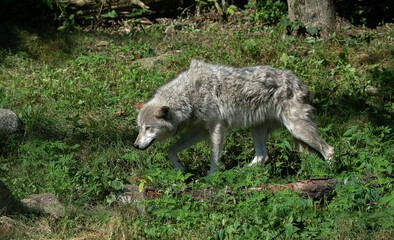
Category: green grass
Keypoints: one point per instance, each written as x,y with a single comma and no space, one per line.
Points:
74,94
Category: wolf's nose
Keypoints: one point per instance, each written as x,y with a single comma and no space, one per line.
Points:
135,145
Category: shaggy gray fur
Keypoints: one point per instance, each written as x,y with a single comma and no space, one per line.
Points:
209,99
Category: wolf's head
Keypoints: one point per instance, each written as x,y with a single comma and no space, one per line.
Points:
154,123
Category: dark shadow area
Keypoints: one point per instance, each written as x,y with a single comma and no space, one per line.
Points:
29,27
374,102
287,167
49,128
8,204
370,13
34,16
10,146
26,15
44,128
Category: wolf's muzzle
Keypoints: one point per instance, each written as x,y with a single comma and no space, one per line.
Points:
137,146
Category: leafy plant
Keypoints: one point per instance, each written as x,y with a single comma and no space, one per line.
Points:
270,11
75,122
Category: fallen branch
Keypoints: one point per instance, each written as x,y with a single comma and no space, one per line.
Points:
316,189
313,188
122,6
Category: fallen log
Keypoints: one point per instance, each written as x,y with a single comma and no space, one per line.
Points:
123,6
114,3
313,188
317,189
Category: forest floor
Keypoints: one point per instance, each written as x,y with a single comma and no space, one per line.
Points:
73,91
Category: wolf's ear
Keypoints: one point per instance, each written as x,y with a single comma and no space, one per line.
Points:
163,112
138,106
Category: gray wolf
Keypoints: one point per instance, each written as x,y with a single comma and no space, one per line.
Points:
209,99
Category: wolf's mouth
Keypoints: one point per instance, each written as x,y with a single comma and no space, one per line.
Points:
147,145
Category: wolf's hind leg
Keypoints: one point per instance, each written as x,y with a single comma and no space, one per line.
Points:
300,146
305,130
188,139
259,134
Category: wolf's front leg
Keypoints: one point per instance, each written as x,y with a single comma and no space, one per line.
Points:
259,134
190,138
218,132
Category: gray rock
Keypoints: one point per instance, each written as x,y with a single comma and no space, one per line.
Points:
151,62
44,203
10,126
132,195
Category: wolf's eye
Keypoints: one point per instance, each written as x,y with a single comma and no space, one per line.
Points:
147,128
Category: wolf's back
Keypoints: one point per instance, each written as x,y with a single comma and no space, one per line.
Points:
243,96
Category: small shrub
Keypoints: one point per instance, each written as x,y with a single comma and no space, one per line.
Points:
270,11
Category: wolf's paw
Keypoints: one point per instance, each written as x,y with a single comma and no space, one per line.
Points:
214,168
258,159
180,167
329,154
